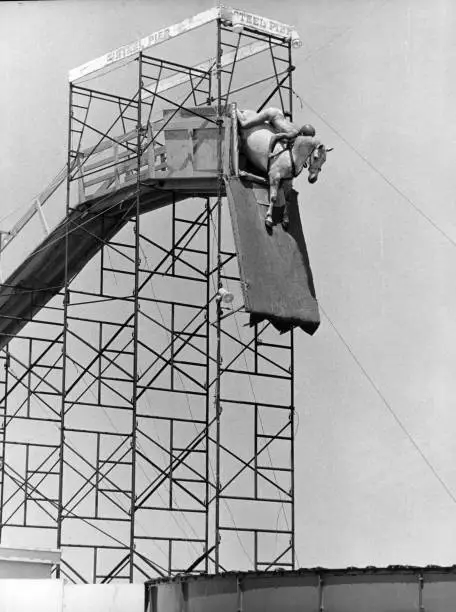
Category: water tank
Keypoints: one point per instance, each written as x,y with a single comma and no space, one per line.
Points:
391,589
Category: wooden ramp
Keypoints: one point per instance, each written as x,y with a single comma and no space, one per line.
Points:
42,274
274,265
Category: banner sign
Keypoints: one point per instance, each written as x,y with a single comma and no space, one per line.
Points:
256,22
235,16
132,49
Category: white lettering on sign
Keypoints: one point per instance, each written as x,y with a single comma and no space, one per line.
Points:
132,49
261,23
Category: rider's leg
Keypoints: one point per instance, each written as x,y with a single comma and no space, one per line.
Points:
272,143
254,119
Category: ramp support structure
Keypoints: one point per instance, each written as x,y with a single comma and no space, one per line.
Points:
146,429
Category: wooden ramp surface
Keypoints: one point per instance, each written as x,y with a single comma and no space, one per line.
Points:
42,274
274,265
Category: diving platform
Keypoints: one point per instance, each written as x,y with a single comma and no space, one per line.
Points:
274,266
131,314
106,176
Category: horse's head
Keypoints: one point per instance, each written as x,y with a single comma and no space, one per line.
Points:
315,161
309,152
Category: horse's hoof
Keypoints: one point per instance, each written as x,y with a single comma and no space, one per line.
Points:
269,222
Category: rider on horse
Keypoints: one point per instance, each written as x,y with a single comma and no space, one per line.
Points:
285,130
302,150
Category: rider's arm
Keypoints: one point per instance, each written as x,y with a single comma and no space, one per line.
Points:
281,136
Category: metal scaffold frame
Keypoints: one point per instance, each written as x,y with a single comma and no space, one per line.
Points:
118,404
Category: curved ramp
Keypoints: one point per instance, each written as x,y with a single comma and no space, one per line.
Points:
42,274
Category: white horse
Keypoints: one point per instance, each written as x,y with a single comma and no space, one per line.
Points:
285,164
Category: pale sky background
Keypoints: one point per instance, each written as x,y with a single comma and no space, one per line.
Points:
377,81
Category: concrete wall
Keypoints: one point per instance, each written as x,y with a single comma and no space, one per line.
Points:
53,596
31,595
27,562
103,598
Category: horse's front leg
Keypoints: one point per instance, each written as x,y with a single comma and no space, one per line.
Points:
285,216
274,182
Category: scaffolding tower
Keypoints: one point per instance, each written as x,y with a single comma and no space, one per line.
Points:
146,429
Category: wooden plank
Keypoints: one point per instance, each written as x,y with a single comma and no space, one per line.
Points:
120,170
111,159
107,160
189,112
190,124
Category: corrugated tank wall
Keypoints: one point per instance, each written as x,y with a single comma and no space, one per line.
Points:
393,589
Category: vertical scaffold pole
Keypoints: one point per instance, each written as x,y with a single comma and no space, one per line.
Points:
208,415
292,406
218,407
66,296
3,423
136,230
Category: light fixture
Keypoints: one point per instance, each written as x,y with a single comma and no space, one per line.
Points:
225,296
296,42
237,25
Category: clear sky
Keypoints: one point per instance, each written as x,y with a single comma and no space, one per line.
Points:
375,386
